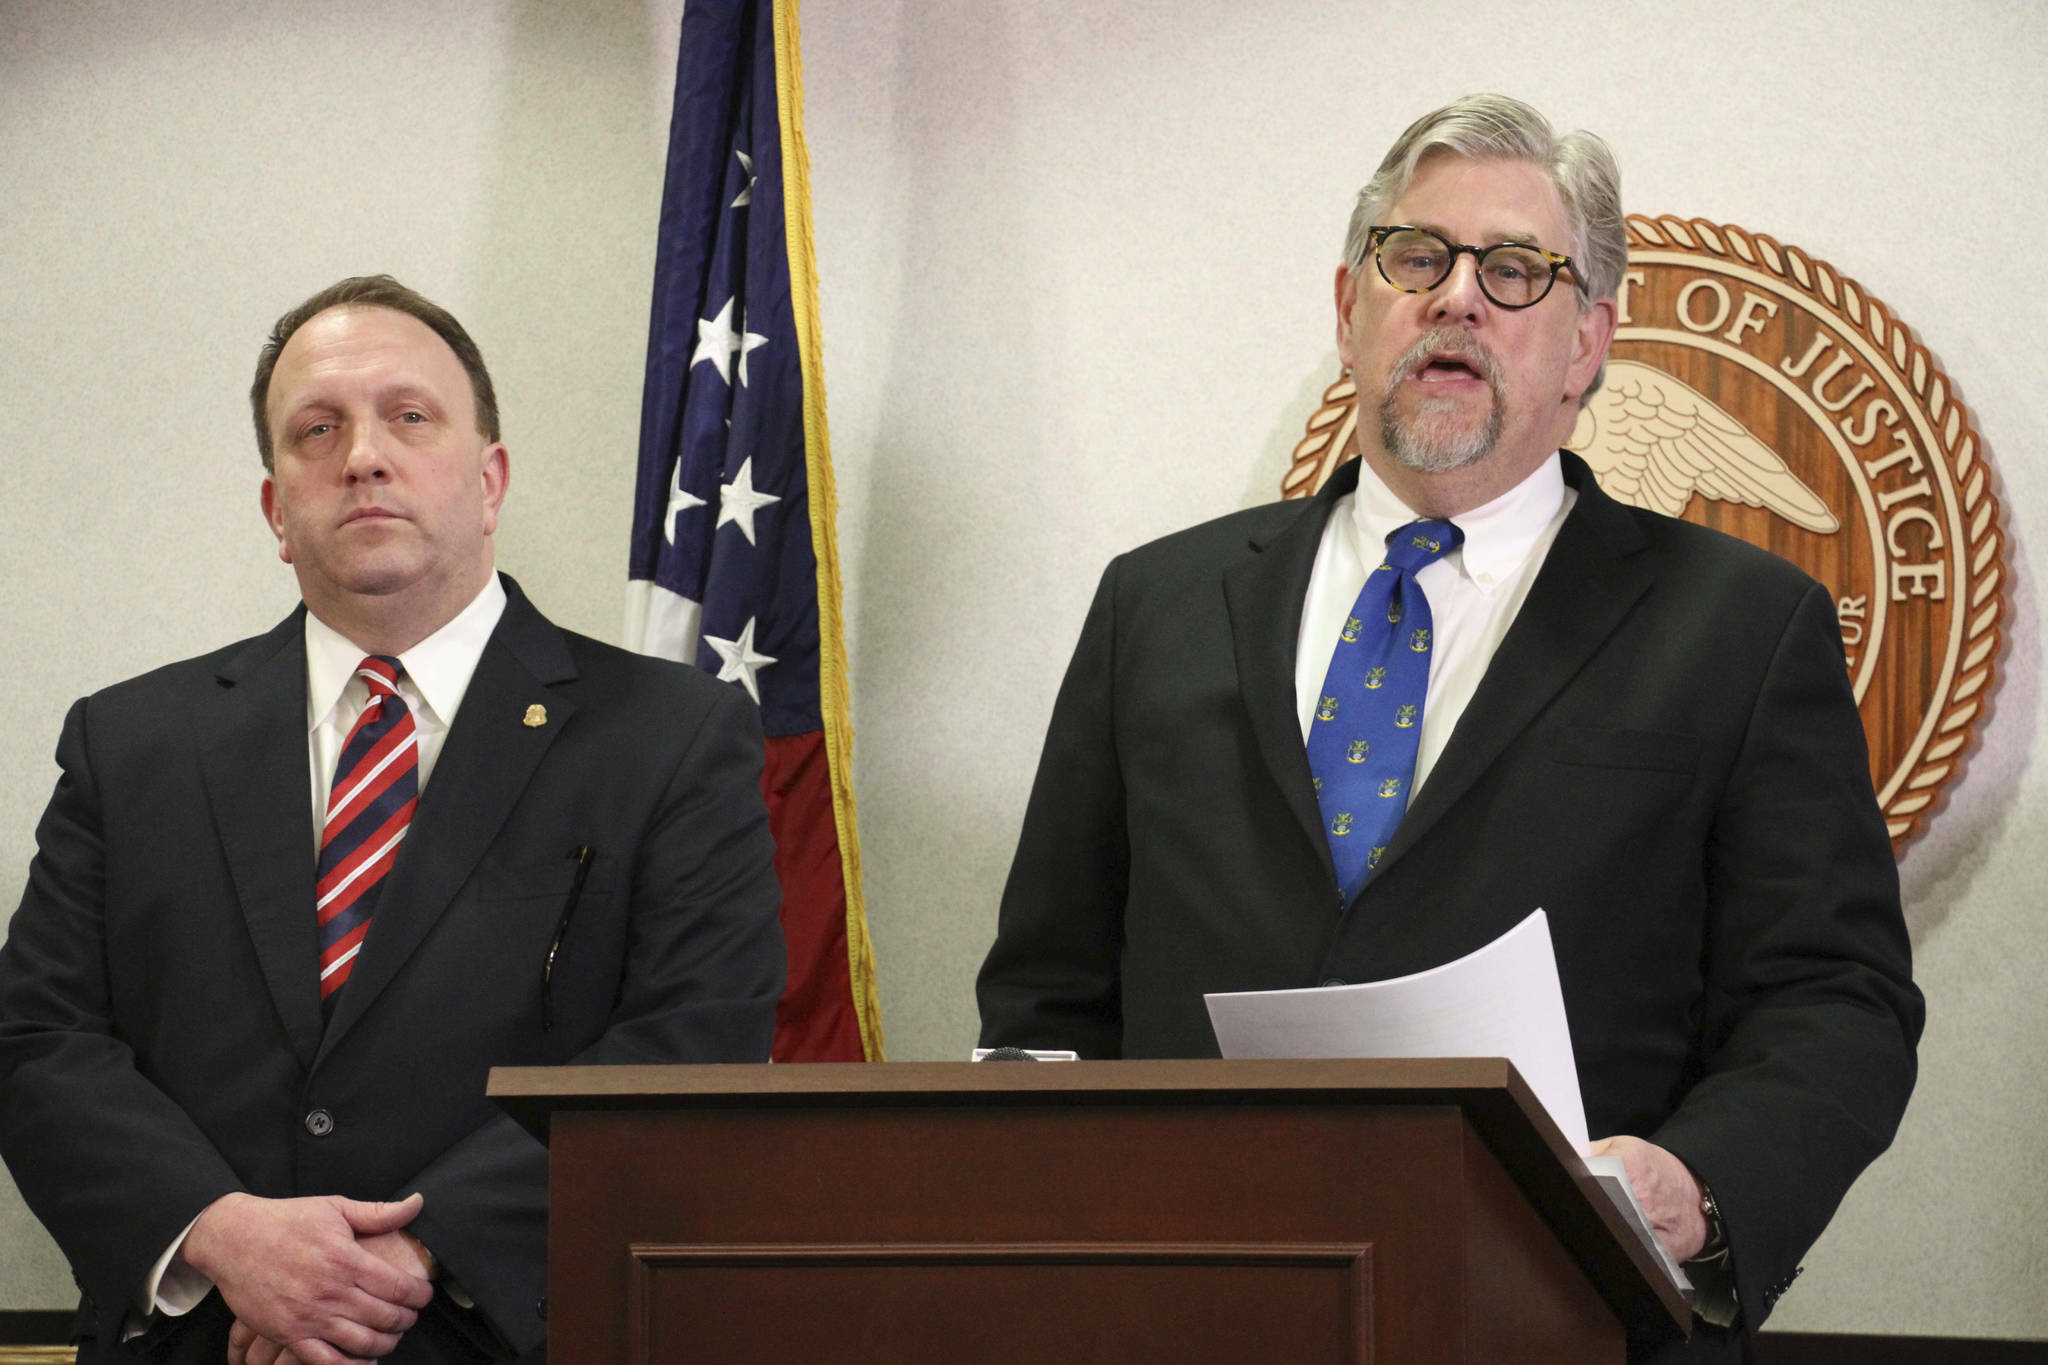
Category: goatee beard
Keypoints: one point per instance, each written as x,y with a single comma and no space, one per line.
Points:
1439,439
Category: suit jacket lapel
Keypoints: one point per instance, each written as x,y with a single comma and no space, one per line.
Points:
1586,586
486,761
1263,592
260,788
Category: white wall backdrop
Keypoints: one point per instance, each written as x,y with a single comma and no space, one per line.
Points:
1076,294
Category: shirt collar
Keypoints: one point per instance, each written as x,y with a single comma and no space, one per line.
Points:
1498,535
439,667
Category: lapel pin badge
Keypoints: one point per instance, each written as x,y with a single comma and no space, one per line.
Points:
536,716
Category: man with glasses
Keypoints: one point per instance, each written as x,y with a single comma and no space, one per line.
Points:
1359,736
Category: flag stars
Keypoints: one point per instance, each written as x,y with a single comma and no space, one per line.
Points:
742,661
738,501
748,343
680,499
718,343
746,190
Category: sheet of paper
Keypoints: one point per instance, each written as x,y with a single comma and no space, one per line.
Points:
1614,1180
1501,1001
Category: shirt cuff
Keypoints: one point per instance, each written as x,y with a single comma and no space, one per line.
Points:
1713,1284
173,1288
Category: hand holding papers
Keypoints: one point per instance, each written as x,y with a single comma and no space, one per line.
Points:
1503,1000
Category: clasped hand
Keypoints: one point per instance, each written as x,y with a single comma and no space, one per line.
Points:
314,1281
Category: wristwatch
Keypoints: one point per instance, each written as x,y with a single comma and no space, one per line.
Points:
1716,1245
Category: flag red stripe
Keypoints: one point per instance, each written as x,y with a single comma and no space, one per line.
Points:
815,1019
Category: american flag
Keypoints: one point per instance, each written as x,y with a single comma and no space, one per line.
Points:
734,566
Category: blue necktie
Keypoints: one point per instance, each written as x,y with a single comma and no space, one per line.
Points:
1368,719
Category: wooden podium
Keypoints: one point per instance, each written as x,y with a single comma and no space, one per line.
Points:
1397,1212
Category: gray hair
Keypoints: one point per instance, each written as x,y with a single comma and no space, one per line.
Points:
1482,127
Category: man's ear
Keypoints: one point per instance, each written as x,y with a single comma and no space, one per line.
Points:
1347,298
268,497
496,473
1595,335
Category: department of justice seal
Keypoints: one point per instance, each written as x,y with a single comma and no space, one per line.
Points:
1758,391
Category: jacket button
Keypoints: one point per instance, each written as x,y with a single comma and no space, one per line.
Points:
1335,981
542,1308
319,1123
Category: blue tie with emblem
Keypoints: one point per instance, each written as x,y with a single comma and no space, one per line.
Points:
1368,719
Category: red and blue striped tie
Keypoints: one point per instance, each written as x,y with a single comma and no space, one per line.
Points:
376,786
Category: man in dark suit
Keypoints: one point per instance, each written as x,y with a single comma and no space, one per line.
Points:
1640,726
525,847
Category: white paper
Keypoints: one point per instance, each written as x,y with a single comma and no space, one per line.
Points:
1503,1000
1500,1001
1613,1178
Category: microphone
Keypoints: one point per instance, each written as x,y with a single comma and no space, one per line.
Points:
1007,1054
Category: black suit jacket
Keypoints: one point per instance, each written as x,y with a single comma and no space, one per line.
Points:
161,1040
1664,755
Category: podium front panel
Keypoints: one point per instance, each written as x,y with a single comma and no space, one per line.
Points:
1109,1231
1039,1302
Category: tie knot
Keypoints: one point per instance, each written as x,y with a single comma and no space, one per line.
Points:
1422,542
381,672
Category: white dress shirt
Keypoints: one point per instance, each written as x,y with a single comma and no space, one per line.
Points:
1474,591
437,674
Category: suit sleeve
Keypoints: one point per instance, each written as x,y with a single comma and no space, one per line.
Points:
703,969
1051,980
116,1192
1810,1019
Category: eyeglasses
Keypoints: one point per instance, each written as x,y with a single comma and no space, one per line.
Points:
1511,274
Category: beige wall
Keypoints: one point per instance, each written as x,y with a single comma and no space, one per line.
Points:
1076,293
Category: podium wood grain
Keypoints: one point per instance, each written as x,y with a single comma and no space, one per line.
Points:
1113,1211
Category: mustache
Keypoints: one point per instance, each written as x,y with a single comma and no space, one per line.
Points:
1446,341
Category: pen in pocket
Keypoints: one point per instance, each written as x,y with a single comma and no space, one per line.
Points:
583,854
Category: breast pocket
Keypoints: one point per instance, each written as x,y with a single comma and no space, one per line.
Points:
561,940
1664,751
535,878
541,905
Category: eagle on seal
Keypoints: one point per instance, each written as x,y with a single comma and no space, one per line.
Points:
1654,441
